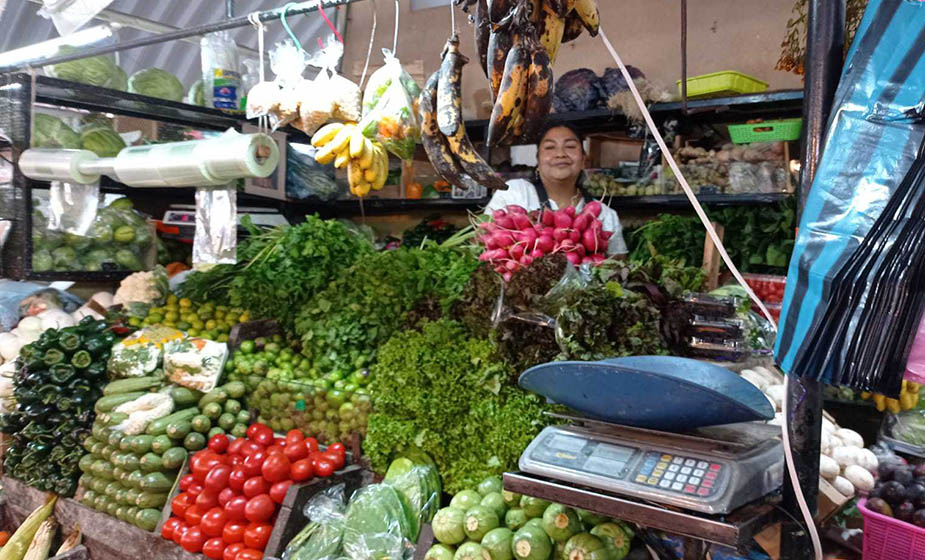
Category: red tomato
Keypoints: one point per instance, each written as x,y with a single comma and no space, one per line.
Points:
339,447
294,437
169,526
234,509
217,479
180,504
235,460
234,448
257,535
234,532
214,549
259,508
254,428
256,486
194,490
314,456
254,463
225,496
232,550
337,458
295,452
264,437
207,499
179,531
186,481
278,491
213,522
302,470
251,447
201,463
192,540
194,515
324,467
311,445
237,478
276,468
219,443
276,450
249,554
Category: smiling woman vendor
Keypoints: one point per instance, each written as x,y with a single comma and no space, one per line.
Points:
560,162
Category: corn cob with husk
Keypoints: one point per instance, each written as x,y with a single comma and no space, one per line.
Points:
18,545
71,542
41,543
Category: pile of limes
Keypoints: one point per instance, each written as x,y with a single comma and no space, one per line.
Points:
207,320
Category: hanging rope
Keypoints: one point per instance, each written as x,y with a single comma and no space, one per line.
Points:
369,51
395,35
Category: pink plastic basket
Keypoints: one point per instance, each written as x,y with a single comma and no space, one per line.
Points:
886,538
915,367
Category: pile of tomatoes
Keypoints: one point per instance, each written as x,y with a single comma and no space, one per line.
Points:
229,500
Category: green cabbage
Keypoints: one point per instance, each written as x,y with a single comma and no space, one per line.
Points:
101,140
155,82
196,94
119,80
51,132
91,120
96,70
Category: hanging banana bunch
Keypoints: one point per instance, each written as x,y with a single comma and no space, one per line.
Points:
366,161
443,131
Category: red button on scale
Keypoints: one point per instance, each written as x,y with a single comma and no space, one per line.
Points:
689,489
710,476
703,492
707,484
715,467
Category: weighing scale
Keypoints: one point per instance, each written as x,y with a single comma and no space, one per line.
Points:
183,218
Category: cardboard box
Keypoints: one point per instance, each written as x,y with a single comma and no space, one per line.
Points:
609,150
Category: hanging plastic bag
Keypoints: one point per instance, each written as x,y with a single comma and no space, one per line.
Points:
216,238
377,525
70,15
390,108
221,71
321,538
306,178
72,207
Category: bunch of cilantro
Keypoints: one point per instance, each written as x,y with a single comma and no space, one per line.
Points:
344,324
449,394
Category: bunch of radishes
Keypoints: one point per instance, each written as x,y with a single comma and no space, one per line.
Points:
515,238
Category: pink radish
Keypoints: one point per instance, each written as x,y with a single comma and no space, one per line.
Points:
580,249
517,251
538,254
589,240
508,276
570,211
560,234
496,254
527,236
606,234
503,239
488,227
573,258
549,218
582,222
526,260
515,210
598,258
521,222
505,222
510,265
563,220
593,208
545,244
574,235
587,260
567,245
484,257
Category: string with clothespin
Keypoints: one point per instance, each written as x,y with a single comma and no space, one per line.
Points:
263,121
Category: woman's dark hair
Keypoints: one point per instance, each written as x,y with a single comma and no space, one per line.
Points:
551,124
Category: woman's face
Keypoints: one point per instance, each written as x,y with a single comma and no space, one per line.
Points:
560,155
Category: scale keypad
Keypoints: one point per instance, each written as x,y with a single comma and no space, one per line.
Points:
683,475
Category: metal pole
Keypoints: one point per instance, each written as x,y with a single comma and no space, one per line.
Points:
824,60
229,9
242,21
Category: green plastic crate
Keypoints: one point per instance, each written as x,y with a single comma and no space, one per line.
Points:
723,83
782,130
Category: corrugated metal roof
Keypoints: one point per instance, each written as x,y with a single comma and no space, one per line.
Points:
22,26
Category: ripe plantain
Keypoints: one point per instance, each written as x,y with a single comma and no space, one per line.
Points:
573,28
552,31
560,7
450,121
509,107
499,43
589,14
435,144
499,9
482,27
383,173
540,87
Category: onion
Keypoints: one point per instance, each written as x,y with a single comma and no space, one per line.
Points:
563,220
593,208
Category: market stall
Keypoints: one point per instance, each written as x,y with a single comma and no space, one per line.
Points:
236,370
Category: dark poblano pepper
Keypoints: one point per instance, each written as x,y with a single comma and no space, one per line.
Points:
97,345
81,359
69,342
53,356
61,373
96,372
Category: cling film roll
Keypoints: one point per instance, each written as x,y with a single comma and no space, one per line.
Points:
234,155
51,164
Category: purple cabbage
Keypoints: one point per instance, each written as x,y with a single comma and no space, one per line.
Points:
612,82
576,90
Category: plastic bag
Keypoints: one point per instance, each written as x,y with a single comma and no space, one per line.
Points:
216,238
390,108
321,538
377,526
71,16
287,60
316,105
418,484
306,178
221,71
915,366
72,207
24,299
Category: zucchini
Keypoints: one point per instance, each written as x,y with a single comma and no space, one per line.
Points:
147,519
134,479
111,419
142,444
160,444
235,389
132,385
179,429
85,463
183,397
239,430
88,497
113,489
108,403
159,426
131,495
130,462
201,423
111,507
156,482
217,395
212,411
151,463
226,421
173,458
531,543
151,499
194,441
114,439
125,443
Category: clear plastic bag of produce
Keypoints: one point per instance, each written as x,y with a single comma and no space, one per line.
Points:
915,366
118,239
279,99
305,177
417,481
906,427
72,207
377,525
321,538
221,71
390,108
216,239
27,299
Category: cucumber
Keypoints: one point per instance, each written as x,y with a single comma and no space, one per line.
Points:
183,397
85,463
156,482
130,462
141,444
232,406
110,419
115,438
159,426
108,403
235,389
173,458
179,429
132,385
98,485
113,489
226,421
111,507
125,443
151,463
107,452
131,495
217,395
160,444
212,410
151,499
201,424
194,441
147,519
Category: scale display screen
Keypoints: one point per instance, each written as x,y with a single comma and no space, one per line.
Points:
585,455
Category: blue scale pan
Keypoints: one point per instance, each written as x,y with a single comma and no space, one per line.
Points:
655,392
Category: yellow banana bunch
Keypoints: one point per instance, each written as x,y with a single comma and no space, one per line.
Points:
908,398
366,160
